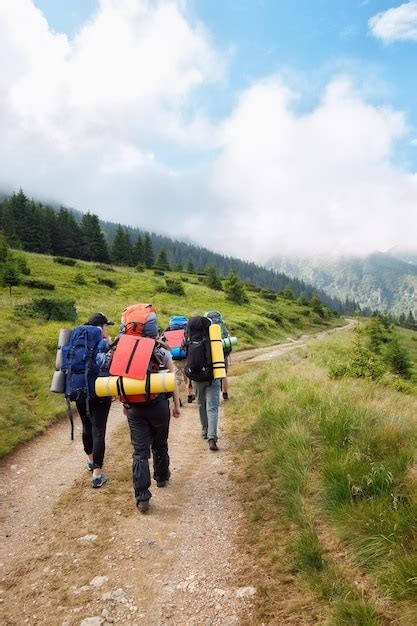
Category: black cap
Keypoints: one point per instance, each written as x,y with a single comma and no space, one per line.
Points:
98,319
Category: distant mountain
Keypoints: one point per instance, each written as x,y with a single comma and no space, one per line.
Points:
383,281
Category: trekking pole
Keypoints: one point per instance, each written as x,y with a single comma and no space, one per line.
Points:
71,418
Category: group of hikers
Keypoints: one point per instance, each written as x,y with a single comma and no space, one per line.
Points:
141,351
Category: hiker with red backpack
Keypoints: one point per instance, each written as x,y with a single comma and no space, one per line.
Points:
84,358
174,337
138,350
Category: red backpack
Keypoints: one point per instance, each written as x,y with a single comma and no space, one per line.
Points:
136,355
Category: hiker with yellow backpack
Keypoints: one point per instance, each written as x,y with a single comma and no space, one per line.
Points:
142,374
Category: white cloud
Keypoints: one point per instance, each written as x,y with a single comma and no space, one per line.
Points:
396,24
94,121
317,182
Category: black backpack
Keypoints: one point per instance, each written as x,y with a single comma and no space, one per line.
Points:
199,363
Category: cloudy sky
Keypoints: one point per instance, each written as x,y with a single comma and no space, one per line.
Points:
253,127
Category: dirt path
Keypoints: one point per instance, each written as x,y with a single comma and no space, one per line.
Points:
71,555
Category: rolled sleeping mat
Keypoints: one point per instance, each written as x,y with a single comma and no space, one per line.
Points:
228,342
63,339
178,353
160,383
217,354
58,382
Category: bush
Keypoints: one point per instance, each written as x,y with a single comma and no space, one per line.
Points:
185,279
104,267
268,294
21,264
108,282
56,309
140,267
159,273
174,286
275,317
79,279
34,283
63,260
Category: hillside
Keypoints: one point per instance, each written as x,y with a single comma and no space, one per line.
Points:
378,281
29,344
36,227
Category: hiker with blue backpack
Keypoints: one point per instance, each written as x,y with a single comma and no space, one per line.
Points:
84,358
174,337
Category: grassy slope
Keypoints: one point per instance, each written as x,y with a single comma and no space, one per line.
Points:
28,346
327,470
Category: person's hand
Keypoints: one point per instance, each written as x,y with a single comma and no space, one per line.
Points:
176,412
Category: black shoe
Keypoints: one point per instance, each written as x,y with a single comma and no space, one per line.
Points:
180,402
143,506
204,435
191,398
225,396
212,444
163,482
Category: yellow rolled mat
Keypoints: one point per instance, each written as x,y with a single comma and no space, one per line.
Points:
160,383
217,354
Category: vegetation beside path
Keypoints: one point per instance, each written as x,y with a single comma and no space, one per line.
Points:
326,469
28,344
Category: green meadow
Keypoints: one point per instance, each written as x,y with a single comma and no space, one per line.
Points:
327,471
28,345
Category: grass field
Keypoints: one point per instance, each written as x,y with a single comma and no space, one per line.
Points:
328,478
28,345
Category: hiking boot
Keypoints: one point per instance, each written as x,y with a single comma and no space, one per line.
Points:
225,395
163,482
191,398
98,481
204,435
143,506
212,444
90,465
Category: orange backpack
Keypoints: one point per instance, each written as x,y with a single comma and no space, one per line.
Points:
137,354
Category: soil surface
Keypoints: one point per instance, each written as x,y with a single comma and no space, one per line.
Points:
71,555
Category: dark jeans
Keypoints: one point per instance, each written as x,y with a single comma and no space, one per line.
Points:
149,427
94,427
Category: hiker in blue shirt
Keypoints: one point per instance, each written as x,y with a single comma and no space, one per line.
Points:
94,424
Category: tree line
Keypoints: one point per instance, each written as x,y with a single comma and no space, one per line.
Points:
36,227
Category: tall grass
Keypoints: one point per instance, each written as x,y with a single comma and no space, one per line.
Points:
338,456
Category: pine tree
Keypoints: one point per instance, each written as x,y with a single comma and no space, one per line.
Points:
162,262
212,279
397,358
234,289
94,246
68,234
138,251
317,305
148,253
10,276
121,252
190,266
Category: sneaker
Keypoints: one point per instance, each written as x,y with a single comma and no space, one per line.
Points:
225,396
98,481
212,444
143,506
191,398
90,465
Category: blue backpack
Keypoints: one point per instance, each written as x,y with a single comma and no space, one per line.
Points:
79,362
178,322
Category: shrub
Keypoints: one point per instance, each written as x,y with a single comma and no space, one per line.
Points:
174,286
21,264
185,279
79,279
104,267
268,294
63,260
159,273
108,282
49,309
275,317
34,283
140,267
